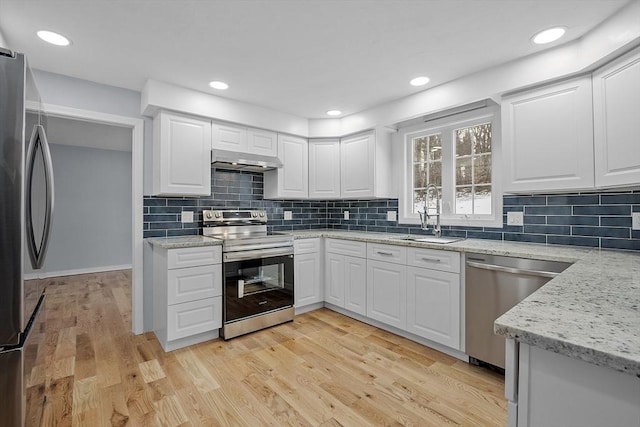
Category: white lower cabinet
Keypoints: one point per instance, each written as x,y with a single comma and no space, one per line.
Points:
557,390
387,293
308,272
346,275
433,305
433,295
187,295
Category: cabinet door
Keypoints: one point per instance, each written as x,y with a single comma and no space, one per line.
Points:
547,138
387,293
226,137
433,305
324,169
195,317
307,279
334,279
262,142
616,104
357,166
292,179
194,283
182,159
355,293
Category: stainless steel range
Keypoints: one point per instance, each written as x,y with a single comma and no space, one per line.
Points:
257,269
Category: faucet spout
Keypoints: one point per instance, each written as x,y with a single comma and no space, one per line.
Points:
425,226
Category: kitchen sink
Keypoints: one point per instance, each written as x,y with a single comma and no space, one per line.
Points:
433,239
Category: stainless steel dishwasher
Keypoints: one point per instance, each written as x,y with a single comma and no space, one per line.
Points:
493,285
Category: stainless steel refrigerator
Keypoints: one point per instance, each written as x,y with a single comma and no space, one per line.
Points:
24,159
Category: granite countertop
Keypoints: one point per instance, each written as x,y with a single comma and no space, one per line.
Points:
182,242
590,312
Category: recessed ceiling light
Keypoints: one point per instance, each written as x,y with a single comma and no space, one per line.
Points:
548,36
419,81
219,85
53,38
334,112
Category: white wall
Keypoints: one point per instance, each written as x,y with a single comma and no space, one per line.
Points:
91,228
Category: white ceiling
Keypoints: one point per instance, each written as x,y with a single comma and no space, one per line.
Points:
298,56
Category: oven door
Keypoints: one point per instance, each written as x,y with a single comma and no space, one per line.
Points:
257,282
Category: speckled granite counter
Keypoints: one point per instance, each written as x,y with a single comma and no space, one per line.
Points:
589,312
182,242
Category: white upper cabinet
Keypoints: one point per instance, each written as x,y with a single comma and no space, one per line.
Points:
227,137
616,111
547,138
365,166
181,155
291,180
324,169
262,142
357,166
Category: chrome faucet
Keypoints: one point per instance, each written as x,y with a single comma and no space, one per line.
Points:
424,216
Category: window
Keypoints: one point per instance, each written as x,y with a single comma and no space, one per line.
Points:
456,155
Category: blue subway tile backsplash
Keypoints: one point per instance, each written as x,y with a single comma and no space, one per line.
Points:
591,219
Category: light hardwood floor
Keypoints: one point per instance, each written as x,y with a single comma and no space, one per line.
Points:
323,369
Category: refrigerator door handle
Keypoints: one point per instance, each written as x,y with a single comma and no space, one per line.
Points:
38,143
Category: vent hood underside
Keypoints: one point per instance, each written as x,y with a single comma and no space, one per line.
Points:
243,161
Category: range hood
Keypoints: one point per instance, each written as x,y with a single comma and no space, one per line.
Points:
243,161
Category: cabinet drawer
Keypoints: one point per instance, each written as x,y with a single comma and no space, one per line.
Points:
346,247
192,257
434,259
194,283
191,318
387,253
306,246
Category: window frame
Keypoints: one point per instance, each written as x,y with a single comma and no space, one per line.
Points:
446,127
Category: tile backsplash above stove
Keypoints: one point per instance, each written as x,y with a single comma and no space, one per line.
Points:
594,219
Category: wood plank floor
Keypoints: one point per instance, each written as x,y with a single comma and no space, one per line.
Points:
323,369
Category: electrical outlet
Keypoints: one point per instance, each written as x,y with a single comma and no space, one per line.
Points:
391,215
635,221
515,218
186,217
288,216
346,214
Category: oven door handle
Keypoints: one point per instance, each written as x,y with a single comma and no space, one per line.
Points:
257,254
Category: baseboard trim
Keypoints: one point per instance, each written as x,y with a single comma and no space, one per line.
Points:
48,274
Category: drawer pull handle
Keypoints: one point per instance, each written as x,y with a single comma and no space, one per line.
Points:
384,253
262,302
430,259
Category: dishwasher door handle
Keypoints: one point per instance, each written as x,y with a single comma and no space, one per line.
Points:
513,270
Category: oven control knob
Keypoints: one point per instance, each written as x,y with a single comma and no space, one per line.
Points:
254,214
218,214
261,214
208,215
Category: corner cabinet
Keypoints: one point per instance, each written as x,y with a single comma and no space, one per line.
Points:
365,166
547,138
324,169
616,110
187,295
308,274
181,155
291,180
